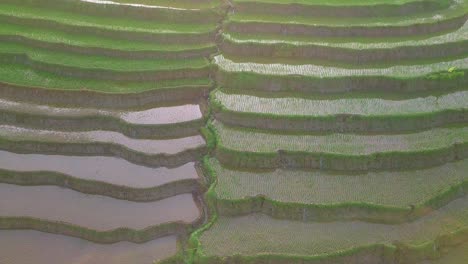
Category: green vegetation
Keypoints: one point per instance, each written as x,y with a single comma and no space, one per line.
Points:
399,189
259,236
285,107
245,140
22,75
346,148
198,4
82,40
337,3
389,197
98,62
117,24
405,71
456,10
453,256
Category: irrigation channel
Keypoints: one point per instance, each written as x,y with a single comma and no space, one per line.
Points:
233,131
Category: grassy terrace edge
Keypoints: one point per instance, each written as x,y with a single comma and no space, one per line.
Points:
89,49
394,55
350,211
341,9
108,123
252,81
90,97
382,252
405,253
107,74
104,237
336,122
164,38
177,15
93,187
379,160
105,149
421,28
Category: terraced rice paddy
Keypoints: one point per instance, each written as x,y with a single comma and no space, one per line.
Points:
93,212
239,131
255,233
31,246
97,169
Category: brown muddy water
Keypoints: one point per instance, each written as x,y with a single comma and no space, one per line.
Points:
93,211
104,169
32,247
169,146
154,116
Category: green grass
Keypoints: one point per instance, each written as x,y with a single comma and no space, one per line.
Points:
349,43
458,255
100,62
246,140
320,71
256,234
25,76
82,40
177,4
397,189
456,10
117,24
298,107
336,2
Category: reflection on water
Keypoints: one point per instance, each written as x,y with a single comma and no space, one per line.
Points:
154,116
93,211
32,247
168,146
106,169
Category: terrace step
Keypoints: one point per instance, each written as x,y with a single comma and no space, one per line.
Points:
308,78
260,238
426,23
150,152
118,28
453,256
353,51
154,11
389,197
339,114
162,122
107,176
340,8
95,45
18,83
91,217
247,148
58,249
103,67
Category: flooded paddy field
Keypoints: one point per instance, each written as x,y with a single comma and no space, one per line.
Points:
26,247
95,168
95,212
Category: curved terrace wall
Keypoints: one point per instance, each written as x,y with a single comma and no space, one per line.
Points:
103,74
375,10
344,55
88,123
347,31
105,149
134,54
102,188
306,84
344,122
164,38
158,13
88,98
